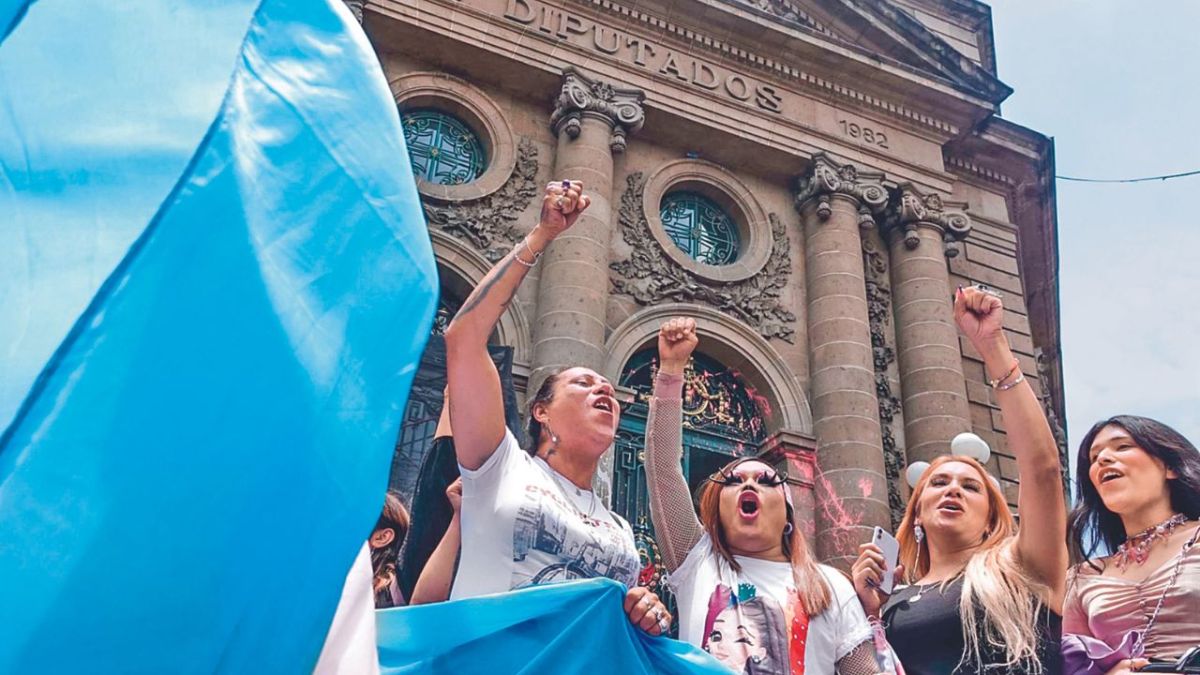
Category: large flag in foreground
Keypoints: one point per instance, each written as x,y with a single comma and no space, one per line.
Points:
186,482
577,627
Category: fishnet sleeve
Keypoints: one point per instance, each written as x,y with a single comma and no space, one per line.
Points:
675,522
860,661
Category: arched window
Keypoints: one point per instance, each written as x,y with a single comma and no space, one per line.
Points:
700,228
443,149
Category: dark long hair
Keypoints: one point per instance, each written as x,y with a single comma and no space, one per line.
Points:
544,395
1092,522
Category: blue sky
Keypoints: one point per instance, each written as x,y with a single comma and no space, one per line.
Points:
1117,85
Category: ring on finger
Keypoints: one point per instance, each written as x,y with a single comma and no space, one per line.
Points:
658,614
663,625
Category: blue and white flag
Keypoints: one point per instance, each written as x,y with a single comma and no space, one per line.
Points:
215,285
576,627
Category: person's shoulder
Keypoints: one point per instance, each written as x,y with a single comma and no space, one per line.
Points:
507,450
839,583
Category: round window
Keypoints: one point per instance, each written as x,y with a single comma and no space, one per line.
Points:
700,228
443,149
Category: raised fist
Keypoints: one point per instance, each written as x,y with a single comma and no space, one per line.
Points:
563,202
979,315
676,341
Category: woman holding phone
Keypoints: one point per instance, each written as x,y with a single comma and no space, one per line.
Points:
984,596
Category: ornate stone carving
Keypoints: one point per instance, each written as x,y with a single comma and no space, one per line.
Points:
489,223
879,312
909,209
650,277
1045,374
356,8
825,177
788,11
582,96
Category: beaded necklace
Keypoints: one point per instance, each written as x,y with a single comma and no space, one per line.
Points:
1136,548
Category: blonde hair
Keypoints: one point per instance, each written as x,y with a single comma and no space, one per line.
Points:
994,581
814,595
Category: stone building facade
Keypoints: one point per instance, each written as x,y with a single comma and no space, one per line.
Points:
809,179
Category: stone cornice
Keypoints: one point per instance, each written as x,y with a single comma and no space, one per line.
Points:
826,177
807,80
963,166
582,96
910,209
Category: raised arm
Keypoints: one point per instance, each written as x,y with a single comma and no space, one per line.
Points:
476,402
434,583
1041,538
675,521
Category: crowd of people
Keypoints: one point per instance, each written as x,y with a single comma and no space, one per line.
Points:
1111,588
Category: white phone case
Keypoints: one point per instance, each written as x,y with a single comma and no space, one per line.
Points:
891,553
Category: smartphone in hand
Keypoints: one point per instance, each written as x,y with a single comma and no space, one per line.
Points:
891,553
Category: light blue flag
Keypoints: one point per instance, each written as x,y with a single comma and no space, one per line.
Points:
576,627
186,482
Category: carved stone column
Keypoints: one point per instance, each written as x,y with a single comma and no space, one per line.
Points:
834,202
796,454
922,234
591,120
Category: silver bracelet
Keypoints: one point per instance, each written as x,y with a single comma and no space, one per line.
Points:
1010,385
517,253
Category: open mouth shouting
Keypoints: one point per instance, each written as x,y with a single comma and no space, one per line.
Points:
1109,475
749,505
607,404
950,506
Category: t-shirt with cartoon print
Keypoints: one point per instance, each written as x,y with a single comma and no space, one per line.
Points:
523,524
753,621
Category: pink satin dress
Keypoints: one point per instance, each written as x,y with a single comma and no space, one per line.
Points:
1107,608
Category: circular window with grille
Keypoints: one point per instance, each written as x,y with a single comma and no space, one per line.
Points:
700,228
443,149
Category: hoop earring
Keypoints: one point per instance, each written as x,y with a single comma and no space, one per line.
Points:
787,529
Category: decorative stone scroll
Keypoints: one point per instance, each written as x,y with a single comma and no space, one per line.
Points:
650,277
909,209
490,223
582,96
879,313
826,177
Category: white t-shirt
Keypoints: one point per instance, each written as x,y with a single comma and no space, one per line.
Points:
523,524
752,620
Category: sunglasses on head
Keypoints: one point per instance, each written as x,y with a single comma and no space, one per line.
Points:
766,478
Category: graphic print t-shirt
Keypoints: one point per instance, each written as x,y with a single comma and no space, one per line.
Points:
518,529
753,622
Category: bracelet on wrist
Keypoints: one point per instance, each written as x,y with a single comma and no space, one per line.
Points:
996,382
1010,385
524,243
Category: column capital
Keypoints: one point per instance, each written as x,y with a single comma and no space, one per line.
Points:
826,177
910,209
582,96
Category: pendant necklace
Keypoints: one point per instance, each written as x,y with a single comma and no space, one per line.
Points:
1136,549
924,588
588,517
